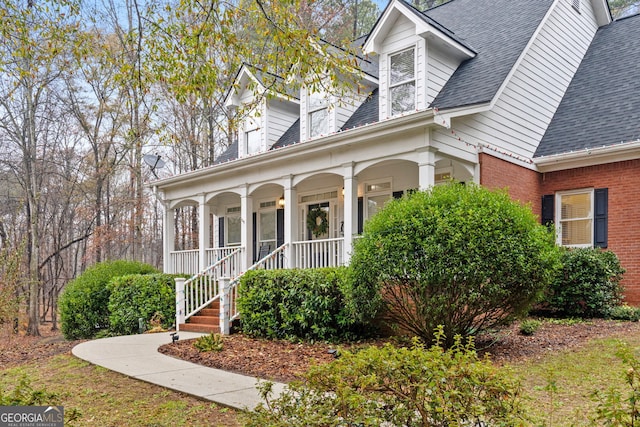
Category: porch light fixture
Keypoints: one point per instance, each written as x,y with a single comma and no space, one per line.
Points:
281,201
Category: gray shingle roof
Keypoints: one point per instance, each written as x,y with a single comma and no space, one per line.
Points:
365,114
602,104
231,153
498,30
291,136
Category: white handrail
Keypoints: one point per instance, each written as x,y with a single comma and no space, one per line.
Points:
202,289
272,261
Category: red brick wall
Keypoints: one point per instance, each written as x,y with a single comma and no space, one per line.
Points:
623,181
522,184
621,178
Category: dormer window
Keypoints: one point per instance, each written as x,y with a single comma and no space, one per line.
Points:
402,82
252,140
318,107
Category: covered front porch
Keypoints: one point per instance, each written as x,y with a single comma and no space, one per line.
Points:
312,218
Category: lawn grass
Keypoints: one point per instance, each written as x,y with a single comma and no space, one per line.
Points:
560,385
95,396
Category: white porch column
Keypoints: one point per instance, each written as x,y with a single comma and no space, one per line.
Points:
350,227
290,220
426,167
246,233
203,232
168,234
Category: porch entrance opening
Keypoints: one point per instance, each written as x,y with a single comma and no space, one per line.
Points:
318,222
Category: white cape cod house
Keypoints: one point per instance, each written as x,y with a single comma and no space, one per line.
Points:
464,91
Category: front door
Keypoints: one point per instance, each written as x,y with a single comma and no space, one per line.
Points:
318,221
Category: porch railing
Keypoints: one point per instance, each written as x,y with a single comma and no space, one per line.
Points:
272,261
203,288
319,253
184,262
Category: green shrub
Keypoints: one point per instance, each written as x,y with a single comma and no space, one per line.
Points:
460,256
23,394
529,326
625,312
588,285
399,387
295,304
136,296
84,302
211,342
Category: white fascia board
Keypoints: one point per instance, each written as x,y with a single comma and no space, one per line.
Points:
244,75
602,12
466,110
310,147
589,157
381,29
428,31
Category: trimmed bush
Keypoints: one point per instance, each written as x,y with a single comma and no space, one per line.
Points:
295,304
460,256
588,285
529,326
84,303
399,387
136,296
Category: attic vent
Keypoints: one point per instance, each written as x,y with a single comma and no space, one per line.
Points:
576,5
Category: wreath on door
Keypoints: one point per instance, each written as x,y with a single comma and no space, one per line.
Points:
317,221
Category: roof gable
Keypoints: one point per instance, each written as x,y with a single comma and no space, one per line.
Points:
602,104
425,27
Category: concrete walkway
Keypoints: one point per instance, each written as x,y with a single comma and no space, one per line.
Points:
137,356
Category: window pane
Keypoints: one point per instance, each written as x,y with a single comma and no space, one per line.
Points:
319,123
233,230
317,101
403,98
576,206
402,67
267,226
375,203
576,232
253,141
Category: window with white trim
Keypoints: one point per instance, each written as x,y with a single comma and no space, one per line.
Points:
234,226
377,194
267,225
318,114
252,141
575,218
402,82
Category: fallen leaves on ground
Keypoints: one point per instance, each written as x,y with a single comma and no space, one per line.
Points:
285,361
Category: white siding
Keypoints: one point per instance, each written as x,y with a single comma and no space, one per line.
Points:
402,36
281,115
440,68
521,115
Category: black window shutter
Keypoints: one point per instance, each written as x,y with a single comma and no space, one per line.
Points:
601,205
360,214
279,228
221,232
255,236
398,194
548,209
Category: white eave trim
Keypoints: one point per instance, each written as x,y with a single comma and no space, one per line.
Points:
422,29
589,157
309,147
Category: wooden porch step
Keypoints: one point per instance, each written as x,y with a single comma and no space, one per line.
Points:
206,320
199,327
211,312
